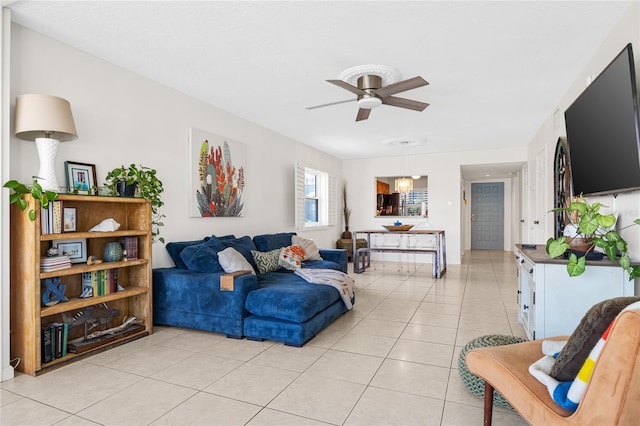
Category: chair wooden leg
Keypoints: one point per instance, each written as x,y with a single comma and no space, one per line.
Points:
488,403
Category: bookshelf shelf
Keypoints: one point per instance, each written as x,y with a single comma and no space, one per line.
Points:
29,245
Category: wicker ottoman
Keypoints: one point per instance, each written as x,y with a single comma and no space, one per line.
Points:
473,383
347,244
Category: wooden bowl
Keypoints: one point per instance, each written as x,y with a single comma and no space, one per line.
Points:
397,227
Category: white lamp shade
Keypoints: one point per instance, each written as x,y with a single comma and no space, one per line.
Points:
44,116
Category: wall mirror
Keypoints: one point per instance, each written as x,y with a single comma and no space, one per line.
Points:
402,196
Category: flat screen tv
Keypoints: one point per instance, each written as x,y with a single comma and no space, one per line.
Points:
603,133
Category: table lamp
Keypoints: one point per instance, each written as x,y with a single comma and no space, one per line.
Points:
47,120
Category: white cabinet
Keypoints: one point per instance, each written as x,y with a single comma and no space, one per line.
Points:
551,303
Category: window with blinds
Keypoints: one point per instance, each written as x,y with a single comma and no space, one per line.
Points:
316,198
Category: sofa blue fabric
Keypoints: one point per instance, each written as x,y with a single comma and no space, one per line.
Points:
283,295
277,305
203,257
175,248
183,298
268,242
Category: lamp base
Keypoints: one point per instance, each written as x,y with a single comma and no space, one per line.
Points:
47,150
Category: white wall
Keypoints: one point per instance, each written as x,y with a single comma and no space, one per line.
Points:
123,118
627,205
445,189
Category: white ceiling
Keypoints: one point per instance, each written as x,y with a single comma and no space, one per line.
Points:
496,69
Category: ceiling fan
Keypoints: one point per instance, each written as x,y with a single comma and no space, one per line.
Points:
371,93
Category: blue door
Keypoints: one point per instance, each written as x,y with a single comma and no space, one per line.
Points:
487,216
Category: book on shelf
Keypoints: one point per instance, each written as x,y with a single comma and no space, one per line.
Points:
55,339
51,218
46,344
54,263
99,283
130,245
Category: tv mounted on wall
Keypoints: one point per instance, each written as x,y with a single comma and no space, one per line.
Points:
603,133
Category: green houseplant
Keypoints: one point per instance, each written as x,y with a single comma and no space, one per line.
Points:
146,185
596,230
19,190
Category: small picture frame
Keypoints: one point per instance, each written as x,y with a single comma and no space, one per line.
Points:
69,219
81,177
76,249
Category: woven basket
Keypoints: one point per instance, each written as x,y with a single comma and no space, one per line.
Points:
473,383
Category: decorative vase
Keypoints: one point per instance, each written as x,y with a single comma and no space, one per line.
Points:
113,252
125,190
346,235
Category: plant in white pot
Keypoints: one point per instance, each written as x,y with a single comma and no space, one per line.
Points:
590,229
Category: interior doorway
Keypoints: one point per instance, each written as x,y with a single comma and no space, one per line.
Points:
487,216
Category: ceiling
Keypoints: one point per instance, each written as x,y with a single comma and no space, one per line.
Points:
496,69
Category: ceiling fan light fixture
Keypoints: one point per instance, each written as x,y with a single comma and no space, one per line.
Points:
369,102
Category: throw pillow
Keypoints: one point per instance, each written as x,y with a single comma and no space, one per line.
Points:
310,248
175,248
585,337
266,261
203,257
244,245
232,260
291,257
268,242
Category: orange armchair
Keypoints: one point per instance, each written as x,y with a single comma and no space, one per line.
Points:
611,398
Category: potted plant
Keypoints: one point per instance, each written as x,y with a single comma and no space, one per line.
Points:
346,211
143,182
20,190
591,229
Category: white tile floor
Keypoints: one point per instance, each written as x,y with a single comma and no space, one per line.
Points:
390,361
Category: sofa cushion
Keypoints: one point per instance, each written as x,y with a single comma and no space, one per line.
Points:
586,335
268,242
266,261
310,248
285,296
321,264
203,257
291,257
232,260
175,248
244,245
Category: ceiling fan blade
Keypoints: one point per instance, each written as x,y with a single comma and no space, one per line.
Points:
363,114
404,103
347,86
331,103
401,86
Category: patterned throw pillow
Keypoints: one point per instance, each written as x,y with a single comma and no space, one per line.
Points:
291,257
266,261
311,251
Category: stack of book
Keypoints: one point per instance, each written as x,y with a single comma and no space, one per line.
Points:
54,339
130,245
99,283
51,218
53,263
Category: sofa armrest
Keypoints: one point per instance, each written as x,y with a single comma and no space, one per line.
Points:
189,291
338,256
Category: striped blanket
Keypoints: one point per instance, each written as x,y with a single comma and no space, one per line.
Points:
569,394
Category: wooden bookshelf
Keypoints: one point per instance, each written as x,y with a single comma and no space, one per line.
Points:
28,245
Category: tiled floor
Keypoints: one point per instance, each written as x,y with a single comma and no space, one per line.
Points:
390,361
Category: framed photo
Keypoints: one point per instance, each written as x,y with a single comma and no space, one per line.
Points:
76,249
80,177
69,219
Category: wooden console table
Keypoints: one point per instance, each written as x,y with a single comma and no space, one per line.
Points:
362,256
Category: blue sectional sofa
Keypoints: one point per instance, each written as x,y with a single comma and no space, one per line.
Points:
276,305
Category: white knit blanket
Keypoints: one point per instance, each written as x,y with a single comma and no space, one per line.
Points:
337,279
